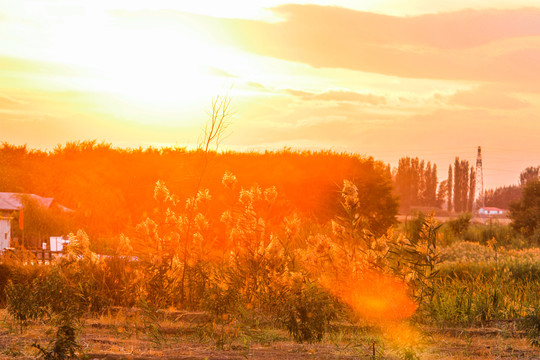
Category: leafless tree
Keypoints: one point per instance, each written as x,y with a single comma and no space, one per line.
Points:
219,120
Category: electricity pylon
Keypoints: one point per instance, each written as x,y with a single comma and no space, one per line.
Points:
479,180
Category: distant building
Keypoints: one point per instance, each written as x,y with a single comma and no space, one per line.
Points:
11,205
490,211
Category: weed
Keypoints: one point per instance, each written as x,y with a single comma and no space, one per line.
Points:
307,313
531,324
24,302
408,354
64,345
151,323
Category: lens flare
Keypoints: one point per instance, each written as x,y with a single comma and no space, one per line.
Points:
376,297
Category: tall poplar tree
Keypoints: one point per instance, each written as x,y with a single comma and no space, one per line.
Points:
472,188
450,185
457,185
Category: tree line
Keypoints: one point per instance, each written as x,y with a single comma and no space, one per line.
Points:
416,184
110,189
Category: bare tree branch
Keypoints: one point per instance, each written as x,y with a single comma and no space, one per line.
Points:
219,120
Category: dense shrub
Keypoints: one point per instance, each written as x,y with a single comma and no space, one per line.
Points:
307,311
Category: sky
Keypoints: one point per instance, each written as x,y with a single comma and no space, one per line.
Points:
381,78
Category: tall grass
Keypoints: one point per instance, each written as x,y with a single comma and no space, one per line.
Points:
250,266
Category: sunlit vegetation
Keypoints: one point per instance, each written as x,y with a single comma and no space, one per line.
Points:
111,189
262,248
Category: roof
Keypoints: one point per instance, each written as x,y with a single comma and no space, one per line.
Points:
13,201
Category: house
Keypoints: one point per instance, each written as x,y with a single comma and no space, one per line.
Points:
490,211
10,205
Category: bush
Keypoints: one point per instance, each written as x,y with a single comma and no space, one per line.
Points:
307,312
531,324
469,296
461,224
413,227
24,302
5,275
64,344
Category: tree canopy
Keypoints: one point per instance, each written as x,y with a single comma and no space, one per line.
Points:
525,214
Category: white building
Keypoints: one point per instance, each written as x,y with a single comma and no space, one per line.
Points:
10,205
490,211
5,232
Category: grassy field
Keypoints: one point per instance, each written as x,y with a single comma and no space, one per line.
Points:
247,285
482,296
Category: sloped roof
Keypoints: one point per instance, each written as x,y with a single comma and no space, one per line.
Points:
13,201
490,208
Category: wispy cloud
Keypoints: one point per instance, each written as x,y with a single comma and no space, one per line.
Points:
480,45
484,97
473,45
211,70
338,95
9,101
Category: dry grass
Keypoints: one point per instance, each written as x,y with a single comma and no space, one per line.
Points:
123,336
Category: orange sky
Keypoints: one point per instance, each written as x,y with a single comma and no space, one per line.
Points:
386,78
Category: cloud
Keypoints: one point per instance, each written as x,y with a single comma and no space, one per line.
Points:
8,101
211,70
256,85
473,45
11,65
483,97
338,95
326,122
452,30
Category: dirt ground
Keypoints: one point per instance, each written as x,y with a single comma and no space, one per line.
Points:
114,337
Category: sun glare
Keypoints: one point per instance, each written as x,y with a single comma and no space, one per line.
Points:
141,65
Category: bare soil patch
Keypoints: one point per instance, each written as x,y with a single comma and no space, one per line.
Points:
116,337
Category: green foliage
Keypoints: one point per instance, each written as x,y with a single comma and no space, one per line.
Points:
531,324
221,299
416,183
502,197
24,302
461,224
307,312
64,344
475,297
59,293
250,264
5,275
525,214
408,354
531,173
504,235
477,283
460,229
151,324
416,260
110,189
413,227
48,297
463,193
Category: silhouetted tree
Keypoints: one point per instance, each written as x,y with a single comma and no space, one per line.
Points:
416,182
529,174
472,190
442,193
110,188
525,214
461,185
450,188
